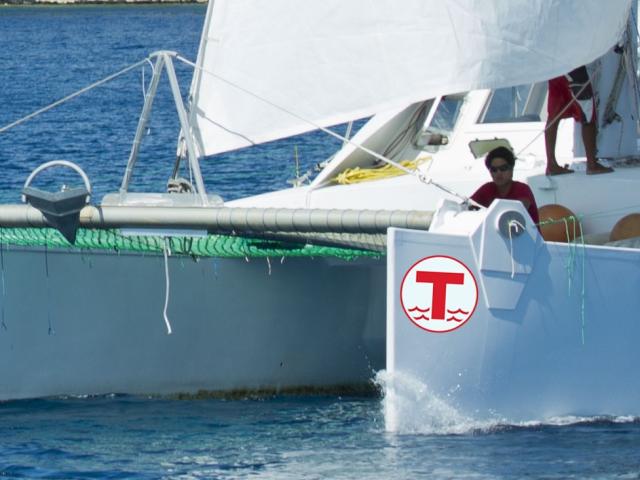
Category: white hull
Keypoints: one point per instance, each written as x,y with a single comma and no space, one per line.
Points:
559,338
88,323
94,323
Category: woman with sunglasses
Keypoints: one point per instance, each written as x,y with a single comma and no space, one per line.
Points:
500,162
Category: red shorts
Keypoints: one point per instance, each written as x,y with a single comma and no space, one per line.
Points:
559,96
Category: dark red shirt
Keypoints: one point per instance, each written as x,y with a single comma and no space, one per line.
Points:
488,192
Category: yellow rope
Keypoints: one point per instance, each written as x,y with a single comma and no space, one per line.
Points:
358,175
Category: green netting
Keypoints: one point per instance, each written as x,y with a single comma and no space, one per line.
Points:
209,246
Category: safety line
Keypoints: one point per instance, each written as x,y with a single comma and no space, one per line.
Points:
71,96
419,175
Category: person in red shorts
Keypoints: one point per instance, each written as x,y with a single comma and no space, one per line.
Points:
500,162
571,96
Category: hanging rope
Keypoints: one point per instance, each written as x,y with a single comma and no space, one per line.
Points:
166,252
583,292
571,260
513,223
153,72
4,288
570,266
51,330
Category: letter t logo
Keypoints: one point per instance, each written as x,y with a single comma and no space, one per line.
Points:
438,293
440,280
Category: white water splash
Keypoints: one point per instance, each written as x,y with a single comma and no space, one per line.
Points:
411,408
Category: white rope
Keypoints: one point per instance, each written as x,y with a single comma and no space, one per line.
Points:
583,292
419,175
4,289
602,213
71,96
632,63
215,268
571,265
517,224
51,330
153,72
166,251
144,87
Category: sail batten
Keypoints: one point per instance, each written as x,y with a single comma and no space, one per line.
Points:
278,68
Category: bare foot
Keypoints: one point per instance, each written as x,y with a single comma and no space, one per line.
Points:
557,170
597,168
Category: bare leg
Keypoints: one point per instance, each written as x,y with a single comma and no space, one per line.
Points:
550,138
589,135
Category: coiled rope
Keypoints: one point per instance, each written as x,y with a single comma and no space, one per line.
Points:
416,173
359,175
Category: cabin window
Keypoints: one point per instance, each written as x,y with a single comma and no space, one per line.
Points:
436,134
515,104
446,114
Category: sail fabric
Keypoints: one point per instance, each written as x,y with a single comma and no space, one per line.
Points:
275,68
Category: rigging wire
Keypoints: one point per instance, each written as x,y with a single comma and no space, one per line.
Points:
419,175
416,173
153,72
558,117
73,95
596,72
144,86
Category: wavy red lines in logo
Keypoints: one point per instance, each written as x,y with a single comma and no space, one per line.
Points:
439,293
453,314
421,313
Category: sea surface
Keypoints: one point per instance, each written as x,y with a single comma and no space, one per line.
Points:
47,53
50,52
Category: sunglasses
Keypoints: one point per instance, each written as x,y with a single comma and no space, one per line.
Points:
501,168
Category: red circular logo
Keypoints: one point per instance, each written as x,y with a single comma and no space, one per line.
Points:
439,293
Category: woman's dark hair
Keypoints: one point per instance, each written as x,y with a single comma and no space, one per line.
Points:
500,152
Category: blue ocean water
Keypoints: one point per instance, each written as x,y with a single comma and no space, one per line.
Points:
50,52
291,438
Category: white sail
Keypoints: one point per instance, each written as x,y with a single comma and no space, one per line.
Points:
328,61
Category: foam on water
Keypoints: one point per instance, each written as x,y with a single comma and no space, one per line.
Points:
410,407
569,420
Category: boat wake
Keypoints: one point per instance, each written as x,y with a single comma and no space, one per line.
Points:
411,408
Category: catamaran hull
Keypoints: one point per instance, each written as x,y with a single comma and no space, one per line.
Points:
76,323
555,330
